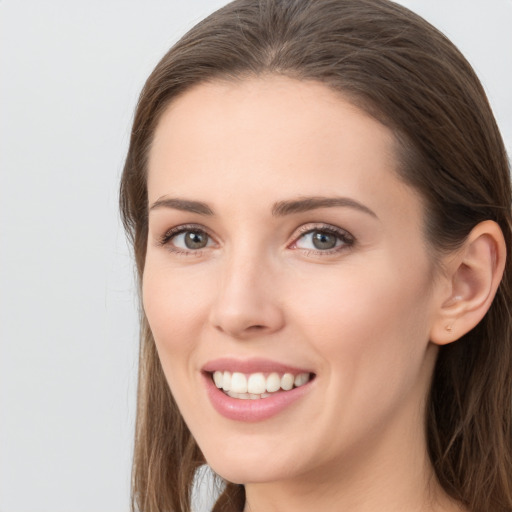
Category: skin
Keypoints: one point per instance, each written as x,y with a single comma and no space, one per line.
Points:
359,317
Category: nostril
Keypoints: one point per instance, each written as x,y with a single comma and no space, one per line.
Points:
256,327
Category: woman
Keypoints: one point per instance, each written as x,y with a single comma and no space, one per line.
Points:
319,202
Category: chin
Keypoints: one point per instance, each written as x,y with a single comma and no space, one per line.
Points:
241,468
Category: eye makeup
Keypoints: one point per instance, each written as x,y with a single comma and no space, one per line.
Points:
314,239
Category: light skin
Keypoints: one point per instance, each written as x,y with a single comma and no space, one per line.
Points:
230,166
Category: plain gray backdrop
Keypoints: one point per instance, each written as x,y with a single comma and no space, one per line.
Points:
70,74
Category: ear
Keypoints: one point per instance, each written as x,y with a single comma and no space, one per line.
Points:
473,274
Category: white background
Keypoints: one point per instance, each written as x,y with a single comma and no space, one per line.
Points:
70,74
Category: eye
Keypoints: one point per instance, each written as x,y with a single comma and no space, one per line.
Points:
186,239
324,239
191,240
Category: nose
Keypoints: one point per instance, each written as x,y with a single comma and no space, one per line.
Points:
247,303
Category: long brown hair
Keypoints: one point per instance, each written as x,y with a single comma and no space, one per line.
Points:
405,73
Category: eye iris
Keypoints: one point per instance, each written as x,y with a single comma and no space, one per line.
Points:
195,239
323,240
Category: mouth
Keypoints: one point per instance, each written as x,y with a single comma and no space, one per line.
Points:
256,389
258,385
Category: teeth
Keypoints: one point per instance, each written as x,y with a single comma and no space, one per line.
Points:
239,383
273,382
218,378
301,379
256,385
226,380
287,381
247,396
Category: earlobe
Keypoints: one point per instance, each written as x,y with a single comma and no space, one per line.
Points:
474,275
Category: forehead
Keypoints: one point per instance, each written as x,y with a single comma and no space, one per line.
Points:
270,137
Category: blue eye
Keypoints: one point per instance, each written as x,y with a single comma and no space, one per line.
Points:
323,239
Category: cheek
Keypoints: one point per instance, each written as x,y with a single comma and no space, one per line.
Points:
171,298
175,312
367,323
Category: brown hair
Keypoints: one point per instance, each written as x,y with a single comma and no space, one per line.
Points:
405,73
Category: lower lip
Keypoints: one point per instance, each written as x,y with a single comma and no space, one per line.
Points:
252,410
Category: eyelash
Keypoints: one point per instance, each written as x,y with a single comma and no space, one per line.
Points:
178,230
344,236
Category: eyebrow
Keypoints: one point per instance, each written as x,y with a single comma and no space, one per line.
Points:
280,209
184,205
305,204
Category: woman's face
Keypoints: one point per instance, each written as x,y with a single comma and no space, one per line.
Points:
282,242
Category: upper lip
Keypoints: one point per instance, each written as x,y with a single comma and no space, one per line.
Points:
252,365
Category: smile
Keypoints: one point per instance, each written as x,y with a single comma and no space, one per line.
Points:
255,386
256,389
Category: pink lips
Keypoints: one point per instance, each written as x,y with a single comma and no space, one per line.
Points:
251,410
